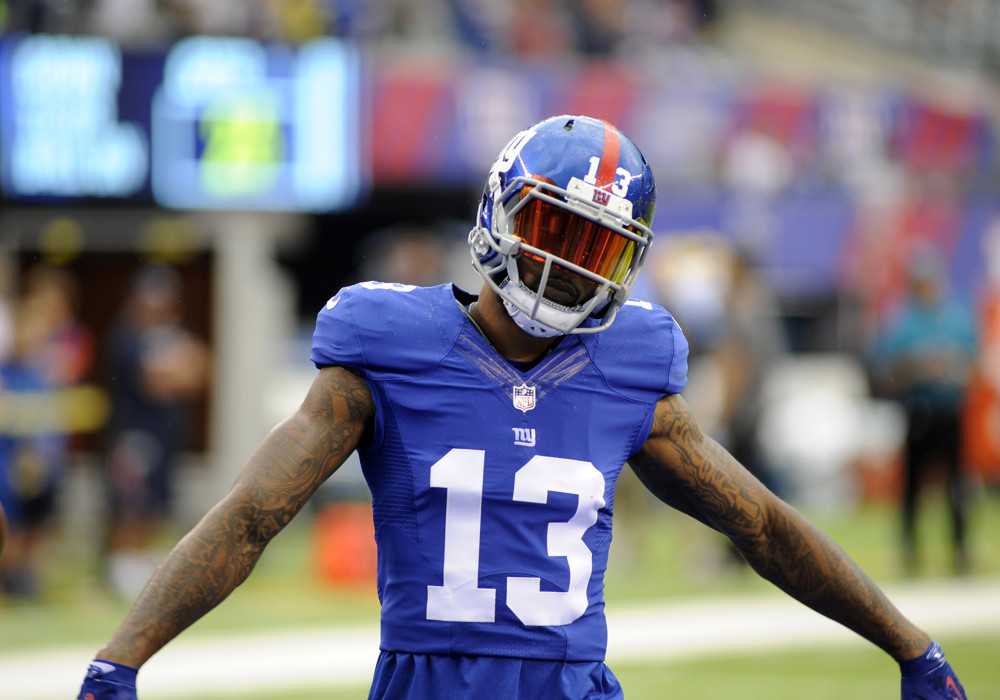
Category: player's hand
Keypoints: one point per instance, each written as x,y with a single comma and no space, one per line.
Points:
930,677
108,681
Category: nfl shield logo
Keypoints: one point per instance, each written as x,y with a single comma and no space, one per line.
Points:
524,397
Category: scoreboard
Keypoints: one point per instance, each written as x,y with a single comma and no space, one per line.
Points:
210,123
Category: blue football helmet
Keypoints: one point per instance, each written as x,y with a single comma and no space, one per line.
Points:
576,196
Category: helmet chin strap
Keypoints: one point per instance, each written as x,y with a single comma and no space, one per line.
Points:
545,319
529,325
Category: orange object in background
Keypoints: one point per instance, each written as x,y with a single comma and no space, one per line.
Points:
981,428
981,416
880,477
344,544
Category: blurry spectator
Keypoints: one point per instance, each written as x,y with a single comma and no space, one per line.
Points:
395,23
737,339
356,19
666,23
27,473
157,367
481,25
52,351
41,16
435,254
691,272
131,23
6,307
540,29
409,255
925,360
753,343
212,17
296,21
33,443
64,351
601,25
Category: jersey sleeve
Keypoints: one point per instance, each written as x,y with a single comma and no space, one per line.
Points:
678,362
388,328
643,356
660,350
644,353
335,338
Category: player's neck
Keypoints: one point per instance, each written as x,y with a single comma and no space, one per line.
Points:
504,335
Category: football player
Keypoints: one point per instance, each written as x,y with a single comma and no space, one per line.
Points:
491,430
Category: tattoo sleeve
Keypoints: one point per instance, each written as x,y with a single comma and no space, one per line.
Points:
694,474
221,550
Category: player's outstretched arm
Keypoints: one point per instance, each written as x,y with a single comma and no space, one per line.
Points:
220,551
691,472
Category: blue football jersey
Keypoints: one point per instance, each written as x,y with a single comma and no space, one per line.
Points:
493,488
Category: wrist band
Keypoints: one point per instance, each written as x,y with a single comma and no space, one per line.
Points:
925,663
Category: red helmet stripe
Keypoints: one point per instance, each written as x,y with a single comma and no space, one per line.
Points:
609,158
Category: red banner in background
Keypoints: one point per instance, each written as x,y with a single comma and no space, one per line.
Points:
428,114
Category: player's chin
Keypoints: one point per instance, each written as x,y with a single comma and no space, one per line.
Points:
564,296
570,291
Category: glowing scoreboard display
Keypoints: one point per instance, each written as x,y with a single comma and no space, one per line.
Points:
213,123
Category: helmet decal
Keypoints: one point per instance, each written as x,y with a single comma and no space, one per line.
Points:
509,154
604,167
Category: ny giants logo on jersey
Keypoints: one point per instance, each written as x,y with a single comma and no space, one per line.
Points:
524,397
524,437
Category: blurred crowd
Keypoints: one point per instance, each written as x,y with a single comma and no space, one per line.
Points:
55,389
958,33
545,27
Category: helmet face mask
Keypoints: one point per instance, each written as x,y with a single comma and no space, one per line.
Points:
571,200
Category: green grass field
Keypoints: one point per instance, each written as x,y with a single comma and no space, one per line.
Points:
657,555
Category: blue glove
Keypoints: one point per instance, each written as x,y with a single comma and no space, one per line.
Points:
108,681
930,677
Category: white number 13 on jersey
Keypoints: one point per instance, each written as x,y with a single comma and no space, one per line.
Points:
461,599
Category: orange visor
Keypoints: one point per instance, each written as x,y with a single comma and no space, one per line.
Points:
575,239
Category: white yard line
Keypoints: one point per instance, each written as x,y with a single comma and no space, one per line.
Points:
232,666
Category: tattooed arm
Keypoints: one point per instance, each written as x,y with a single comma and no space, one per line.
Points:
220,551
694,474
